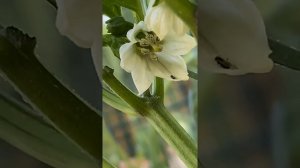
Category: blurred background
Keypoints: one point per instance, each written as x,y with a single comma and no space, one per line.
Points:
250,121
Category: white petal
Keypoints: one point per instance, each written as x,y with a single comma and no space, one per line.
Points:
157,19
128,56
79,20
234,31
180,28
169,67
135,30
142,77
96,55
178,45
162,20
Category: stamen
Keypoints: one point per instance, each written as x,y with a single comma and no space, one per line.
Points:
148,44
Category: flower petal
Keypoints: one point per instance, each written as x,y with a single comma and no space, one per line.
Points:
178,45
135,30
142,77
169,67
158,19
129,57
234,31
162,20
79,20
180,28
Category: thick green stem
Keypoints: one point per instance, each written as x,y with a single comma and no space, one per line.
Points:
154,111
167,126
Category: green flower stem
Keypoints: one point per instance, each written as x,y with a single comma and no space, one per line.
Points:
115,101
154,111
186,11
159,89
106,164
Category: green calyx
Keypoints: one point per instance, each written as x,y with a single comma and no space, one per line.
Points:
118,26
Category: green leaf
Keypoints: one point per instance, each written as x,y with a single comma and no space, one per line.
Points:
284,55
134,5
28,132
114,43
67,112
111,10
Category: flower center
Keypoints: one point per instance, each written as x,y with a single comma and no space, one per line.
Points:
148,44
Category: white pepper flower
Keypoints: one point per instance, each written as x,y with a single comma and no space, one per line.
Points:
81,22
147,56
232,37
162,19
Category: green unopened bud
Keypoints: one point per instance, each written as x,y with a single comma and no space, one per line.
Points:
118,26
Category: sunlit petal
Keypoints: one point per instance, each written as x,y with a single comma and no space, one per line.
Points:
178,45
142,77
169,67
162,20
